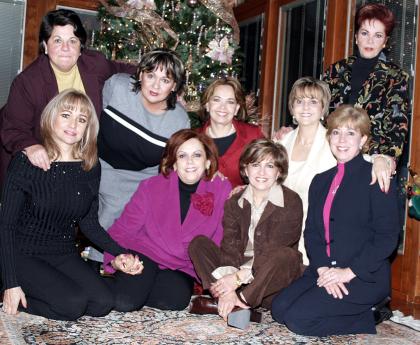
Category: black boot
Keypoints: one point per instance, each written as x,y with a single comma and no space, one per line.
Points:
381,311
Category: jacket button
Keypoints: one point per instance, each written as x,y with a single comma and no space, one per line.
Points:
331,219
258,233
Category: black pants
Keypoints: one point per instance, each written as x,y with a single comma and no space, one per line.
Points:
62,287
162,289
308,309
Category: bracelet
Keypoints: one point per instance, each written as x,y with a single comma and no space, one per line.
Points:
238,280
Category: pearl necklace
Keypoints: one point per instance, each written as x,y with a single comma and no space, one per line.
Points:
213,135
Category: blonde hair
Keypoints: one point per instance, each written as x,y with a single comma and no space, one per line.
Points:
355,118
311,88
86,148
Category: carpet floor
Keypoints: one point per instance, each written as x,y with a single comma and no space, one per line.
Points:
150,326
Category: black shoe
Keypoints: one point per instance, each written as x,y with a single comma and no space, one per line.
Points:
381,311
95,265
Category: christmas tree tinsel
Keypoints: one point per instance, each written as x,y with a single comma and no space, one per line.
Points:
206,44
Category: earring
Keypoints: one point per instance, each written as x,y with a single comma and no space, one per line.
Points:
360,146
294,121
322,118
46,51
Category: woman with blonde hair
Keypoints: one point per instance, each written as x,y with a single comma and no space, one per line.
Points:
41,210
351,231
307,146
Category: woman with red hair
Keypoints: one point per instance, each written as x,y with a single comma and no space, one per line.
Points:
163,216
369,81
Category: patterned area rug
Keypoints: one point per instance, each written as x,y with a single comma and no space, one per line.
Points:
151,326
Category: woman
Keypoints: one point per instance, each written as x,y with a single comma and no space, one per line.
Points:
63,63
41,268
258,255
351,230
369,81
223,109
162,217
307,146
140,113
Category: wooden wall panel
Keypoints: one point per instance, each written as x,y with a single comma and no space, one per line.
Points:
406,267
335,39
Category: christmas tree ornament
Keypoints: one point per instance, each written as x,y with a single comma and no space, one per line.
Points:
130,28
224,10
150,24
221,51
192,3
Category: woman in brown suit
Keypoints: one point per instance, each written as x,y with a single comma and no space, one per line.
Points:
258,255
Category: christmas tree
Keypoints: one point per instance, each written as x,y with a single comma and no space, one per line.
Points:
204,33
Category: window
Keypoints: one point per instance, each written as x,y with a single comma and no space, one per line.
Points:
12,15
300,53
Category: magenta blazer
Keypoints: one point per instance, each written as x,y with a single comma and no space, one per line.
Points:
151,222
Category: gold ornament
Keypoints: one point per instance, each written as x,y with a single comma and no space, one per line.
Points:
224,10
149,22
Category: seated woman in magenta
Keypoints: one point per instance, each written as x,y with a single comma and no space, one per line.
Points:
351,231
41,210
163,216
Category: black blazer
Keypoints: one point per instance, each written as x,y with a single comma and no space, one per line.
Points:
364,223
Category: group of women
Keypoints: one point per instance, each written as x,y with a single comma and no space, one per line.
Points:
164,191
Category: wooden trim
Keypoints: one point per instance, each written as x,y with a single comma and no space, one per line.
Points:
84,4
269,60
250,9
335,38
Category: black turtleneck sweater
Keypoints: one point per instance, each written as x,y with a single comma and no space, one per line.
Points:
361,69
40,211
185,191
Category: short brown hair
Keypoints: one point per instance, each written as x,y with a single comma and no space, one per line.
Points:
311,88
375,11
86,148
357,118
234,83
180,137
259,149
170,61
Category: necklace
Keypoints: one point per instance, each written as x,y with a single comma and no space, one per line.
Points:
213,135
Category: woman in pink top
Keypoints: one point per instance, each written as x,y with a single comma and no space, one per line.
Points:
351,230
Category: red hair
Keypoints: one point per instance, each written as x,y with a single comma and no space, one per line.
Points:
375,11
180,137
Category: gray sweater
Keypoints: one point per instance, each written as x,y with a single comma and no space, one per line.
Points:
131,141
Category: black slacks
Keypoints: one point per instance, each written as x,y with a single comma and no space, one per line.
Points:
308,309
62,287
158,288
